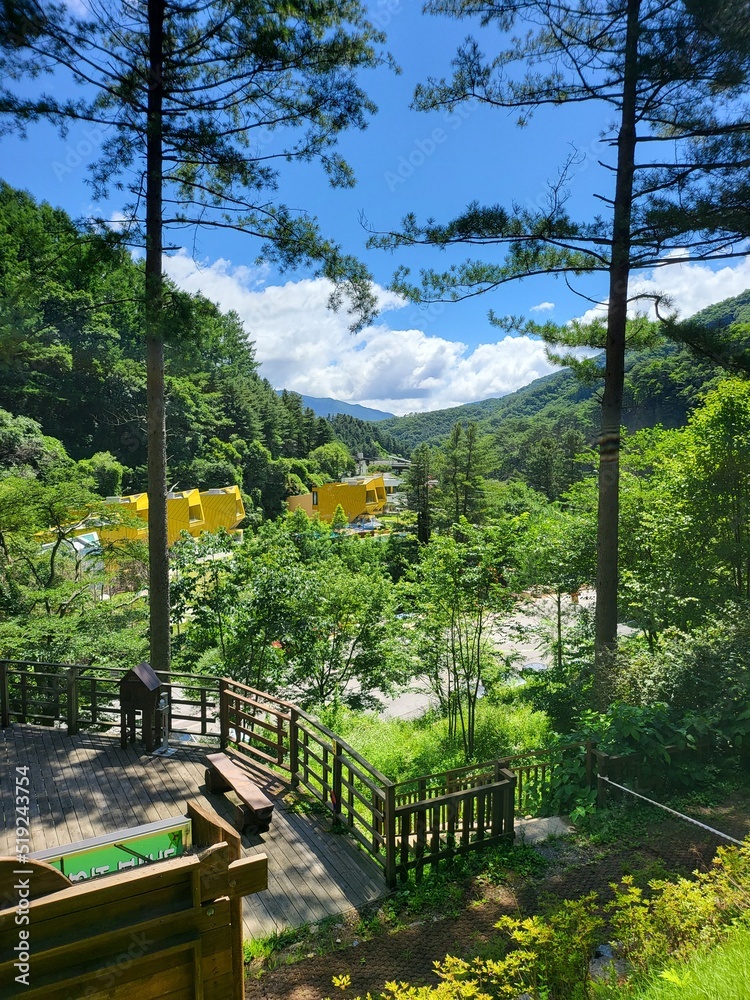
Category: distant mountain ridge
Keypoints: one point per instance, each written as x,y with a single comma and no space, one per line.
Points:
661,386
324,406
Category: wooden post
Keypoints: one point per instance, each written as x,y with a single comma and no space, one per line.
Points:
496,802
93,701
510,812
294,747
280,749
389,833
4,695
589,764
223,713
336,780
24,678
601,787
207,825
71,713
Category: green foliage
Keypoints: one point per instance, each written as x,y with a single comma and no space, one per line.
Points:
704,675
541,956
721,972
456,586
73,370
546,956
404,749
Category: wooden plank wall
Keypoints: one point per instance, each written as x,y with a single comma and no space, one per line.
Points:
161,932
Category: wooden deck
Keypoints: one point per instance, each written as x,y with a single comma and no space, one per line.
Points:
87,785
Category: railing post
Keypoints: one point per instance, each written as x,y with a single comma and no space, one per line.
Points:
204,711
336,779
223,713
510,807
4,695
71,708
601,787
294,747
24,696
497,810
94,707
589,764
389,834
280,748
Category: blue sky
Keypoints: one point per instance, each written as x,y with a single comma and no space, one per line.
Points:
432,164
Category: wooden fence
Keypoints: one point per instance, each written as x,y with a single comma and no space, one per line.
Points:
536,775
280,734
88,697
402,825
172,929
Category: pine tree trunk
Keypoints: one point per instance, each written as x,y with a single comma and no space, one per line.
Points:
609,442
157,427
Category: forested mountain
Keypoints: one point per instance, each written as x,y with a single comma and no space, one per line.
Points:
72,359
325,406
364,437
662,386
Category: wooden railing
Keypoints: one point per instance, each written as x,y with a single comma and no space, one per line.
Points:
280,734
403,825
86,697
535,774
444,826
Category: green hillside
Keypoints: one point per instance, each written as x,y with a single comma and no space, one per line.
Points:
661,386
72,358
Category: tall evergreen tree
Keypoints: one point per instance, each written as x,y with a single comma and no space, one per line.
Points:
667,71
199,103
418,486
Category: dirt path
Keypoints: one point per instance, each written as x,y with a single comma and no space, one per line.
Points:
666,847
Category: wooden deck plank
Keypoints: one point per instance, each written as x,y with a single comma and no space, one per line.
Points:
87,785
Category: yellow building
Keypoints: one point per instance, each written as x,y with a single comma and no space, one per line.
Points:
361,497
187,510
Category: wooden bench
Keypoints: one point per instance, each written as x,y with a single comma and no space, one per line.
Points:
223,775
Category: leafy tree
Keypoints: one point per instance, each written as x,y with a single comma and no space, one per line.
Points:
457,586
338,638
334,459
340,520
629,57
718,475
105,471
185,92
51,583
25,451
557,551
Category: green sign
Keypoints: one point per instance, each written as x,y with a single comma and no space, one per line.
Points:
120,851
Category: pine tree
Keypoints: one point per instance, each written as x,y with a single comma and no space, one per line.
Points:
199,103
669,71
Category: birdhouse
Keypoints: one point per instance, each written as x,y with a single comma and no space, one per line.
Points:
140,691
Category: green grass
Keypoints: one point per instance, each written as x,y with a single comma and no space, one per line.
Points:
261,949
404,749
721,974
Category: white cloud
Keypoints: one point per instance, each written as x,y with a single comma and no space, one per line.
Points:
690,287
543,307
304,346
